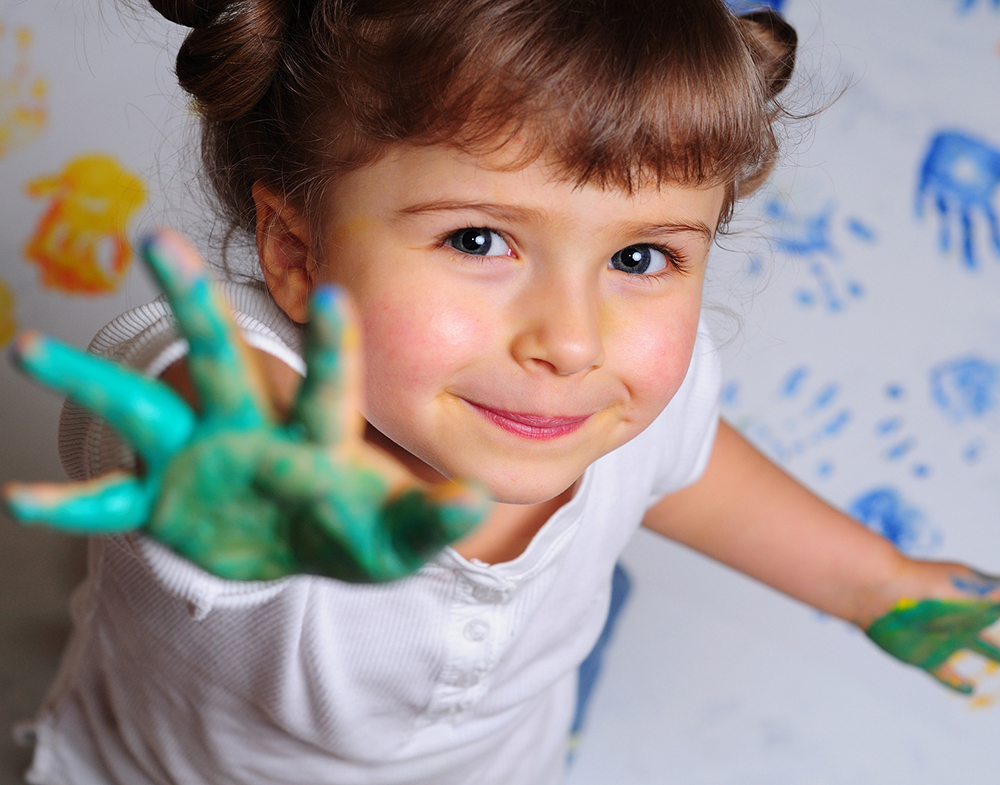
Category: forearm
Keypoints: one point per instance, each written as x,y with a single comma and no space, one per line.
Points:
749,514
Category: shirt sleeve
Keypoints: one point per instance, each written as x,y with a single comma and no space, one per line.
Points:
685,432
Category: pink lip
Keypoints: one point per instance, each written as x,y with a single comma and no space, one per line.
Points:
531,426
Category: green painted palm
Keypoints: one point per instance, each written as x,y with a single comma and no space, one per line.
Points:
928,633
235,491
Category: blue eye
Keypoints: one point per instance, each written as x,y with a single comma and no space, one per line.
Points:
478,241
639,259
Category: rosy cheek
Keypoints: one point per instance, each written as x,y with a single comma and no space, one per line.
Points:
660,364
411,344
653,354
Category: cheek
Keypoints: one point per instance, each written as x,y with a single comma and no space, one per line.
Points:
653,352
418,343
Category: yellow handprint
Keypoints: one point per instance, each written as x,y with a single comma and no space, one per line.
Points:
7,324
80,243
23,107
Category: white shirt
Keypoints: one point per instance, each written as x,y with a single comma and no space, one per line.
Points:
461,673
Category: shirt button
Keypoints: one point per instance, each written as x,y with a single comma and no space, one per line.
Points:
476,630
466,680
488,595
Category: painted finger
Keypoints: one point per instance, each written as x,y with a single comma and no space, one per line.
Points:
985,648
110,504
148,414
991,217
949,677
329,401
421,521
219,369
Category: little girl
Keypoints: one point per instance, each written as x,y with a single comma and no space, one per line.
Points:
518,198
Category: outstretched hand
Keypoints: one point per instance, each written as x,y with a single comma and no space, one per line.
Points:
235,491
927,633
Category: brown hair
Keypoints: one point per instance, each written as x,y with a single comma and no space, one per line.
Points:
615,92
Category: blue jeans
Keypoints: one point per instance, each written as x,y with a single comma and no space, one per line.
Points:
591,667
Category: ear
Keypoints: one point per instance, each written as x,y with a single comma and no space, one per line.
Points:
285,252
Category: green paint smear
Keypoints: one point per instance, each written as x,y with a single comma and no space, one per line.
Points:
927,633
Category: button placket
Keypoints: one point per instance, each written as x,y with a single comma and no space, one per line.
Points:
487,594
472,647
476,630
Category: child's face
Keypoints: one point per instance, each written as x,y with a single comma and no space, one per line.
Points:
515,327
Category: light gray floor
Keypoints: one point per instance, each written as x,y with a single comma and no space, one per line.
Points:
38,569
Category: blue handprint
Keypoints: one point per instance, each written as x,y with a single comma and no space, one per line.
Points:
885,512
746,6
967,5
810,413
895,438
809,237
962,174
966,388
803,235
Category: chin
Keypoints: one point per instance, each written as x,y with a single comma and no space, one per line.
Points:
527,492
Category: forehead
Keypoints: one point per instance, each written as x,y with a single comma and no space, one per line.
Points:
410,179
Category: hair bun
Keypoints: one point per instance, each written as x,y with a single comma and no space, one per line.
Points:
189,13
776,45
229,59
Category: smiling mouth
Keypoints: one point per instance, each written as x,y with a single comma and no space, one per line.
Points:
531,426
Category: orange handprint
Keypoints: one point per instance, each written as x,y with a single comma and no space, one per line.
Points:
80,244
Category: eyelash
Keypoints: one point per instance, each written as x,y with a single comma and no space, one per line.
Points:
678,263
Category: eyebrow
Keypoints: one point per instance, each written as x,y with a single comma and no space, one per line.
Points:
505,212
674,227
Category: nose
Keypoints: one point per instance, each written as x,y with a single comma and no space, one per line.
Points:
559,326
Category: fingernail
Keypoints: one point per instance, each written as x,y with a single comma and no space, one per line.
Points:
167,251
25,344
328,294
19,502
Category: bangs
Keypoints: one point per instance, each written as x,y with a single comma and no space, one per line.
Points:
613,92
619,93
